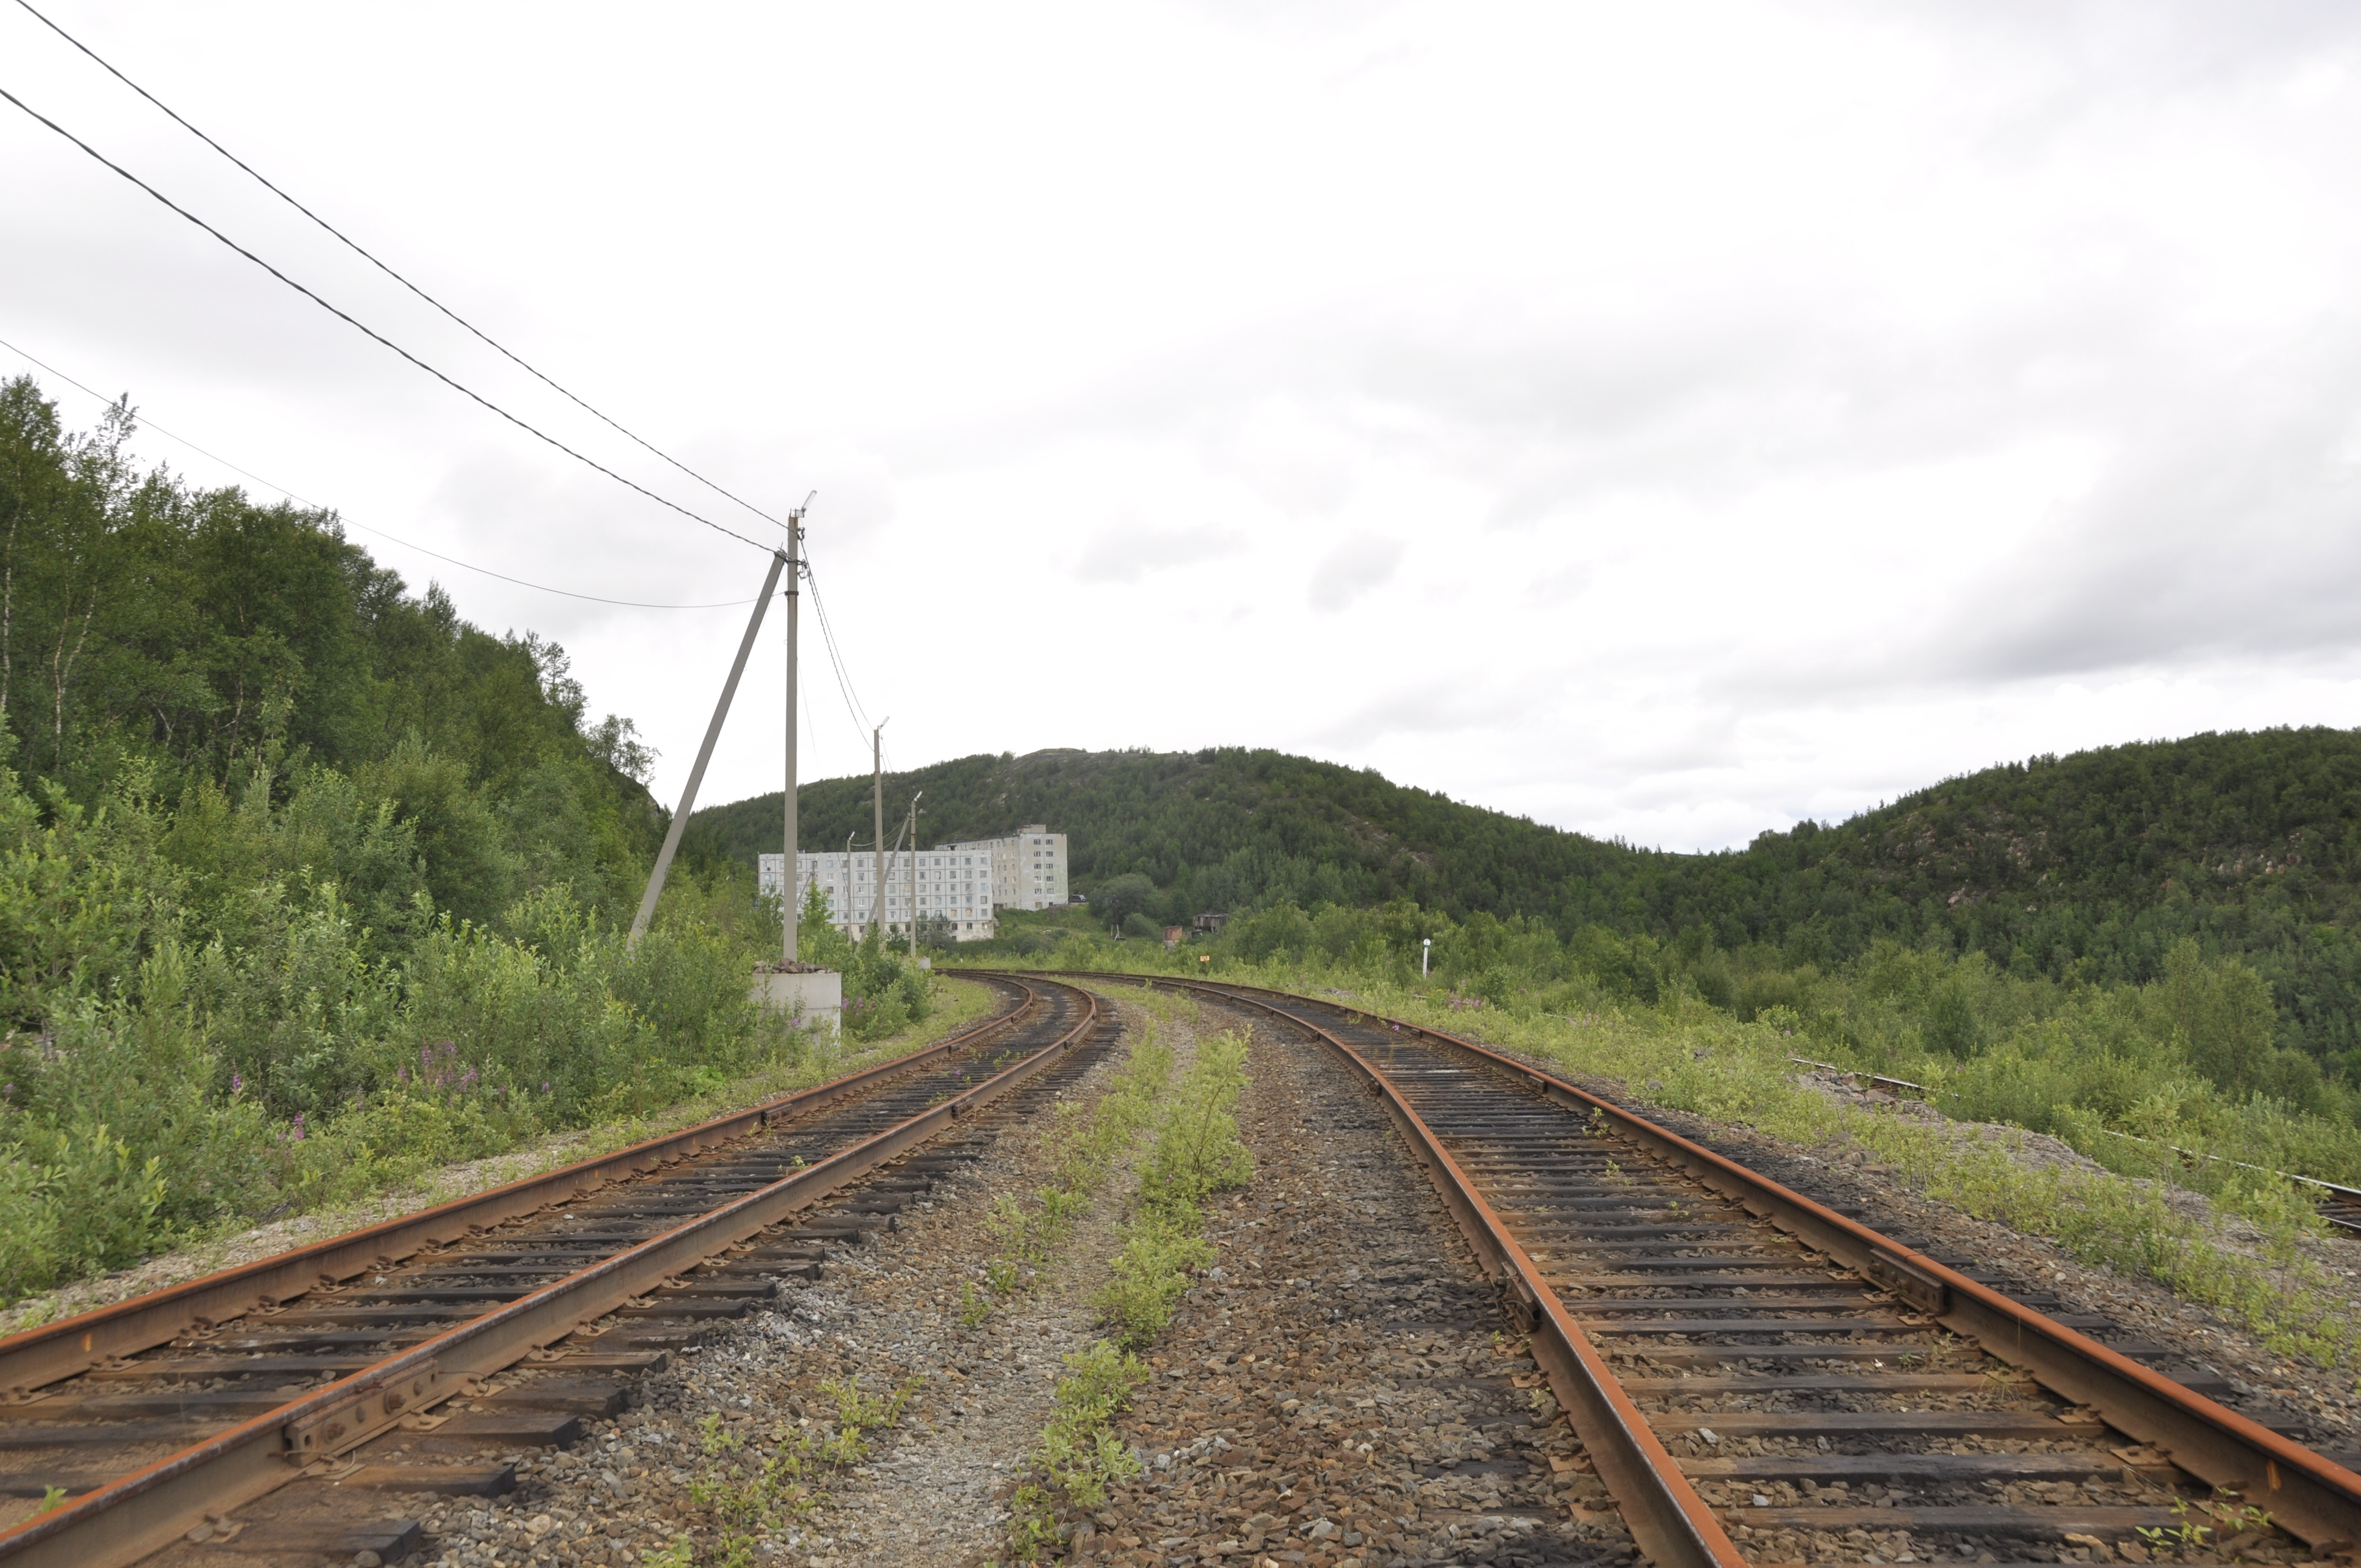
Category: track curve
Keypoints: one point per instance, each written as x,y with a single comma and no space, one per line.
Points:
1760,1377
158,1415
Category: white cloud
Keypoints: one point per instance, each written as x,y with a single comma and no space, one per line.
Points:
1351,569
1785,404
1126,554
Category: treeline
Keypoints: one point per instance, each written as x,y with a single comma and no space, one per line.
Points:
304,881
2093,867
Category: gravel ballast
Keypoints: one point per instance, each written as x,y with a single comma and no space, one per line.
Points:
1338,1390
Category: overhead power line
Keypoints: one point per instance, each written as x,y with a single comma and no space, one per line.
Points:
365,528
852,705
356,249
378,336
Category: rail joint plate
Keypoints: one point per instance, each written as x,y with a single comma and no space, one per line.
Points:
1909,1282
365,1415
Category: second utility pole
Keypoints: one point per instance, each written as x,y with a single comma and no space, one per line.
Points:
914,877
877,760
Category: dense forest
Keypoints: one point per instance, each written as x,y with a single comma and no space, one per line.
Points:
304,881
2089,867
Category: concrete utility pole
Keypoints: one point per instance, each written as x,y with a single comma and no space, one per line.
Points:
877,794
914,877
792,896
704,755
848,880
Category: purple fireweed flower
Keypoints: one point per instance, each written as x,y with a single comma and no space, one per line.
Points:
401,1075
298,1126
238,1083
544,1086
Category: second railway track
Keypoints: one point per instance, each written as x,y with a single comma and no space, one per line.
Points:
1762,1379
360,1366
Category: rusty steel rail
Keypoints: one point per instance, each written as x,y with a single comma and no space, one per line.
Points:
72,1345
1671,1523
2307,1493
140,1512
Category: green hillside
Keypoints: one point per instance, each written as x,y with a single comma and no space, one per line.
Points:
1216,829
2087,867
2090,866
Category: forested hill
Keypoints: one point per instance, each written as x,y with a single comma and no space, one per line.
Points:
2092,863
1216,829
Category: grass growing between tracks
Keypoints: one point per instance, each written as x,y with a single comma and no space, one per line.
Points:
1078,1458
1083,1147
752,1490
1197,1153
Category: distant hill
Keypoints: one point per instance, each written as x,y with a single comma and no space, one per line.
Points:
2092,863
1221,829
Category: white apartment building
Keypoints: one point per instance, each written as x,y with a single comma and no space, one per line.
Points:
1028,867
953,882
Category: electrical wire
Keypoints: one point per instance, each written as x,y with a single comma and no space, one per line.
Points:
355,247
378,336
837,662
852,705
346,522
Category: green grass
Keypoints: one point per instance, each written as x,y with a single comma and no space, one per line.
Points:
1084,1145
751,1490
1197,1152
1688,1056
1077,1459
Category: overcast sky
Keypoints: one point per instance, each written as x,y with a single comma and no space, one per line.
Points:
1665,421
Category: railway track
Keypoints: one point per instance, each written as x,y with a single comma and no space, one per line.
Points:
268,1414
1761,1378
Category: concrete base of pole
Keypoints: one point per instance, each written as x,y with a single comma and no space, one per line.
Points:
804,995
